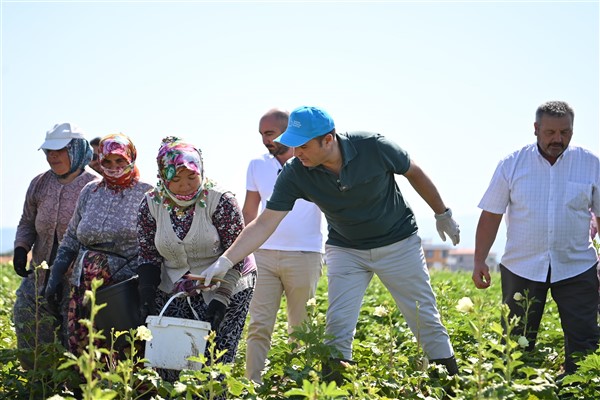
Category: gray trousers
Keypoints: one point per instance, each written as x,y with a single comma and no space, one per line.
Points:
401,267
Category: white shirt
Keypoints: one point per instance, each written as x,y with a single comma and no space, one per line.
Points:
302,229
547,211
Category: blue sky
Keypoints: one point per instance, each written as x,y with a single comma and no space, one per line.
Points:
454,83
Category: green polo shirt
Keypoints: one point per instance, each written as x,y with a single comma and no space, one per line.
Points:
363,206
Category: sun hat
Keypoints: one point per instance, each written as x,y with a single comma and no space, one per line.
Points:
305,123
60,136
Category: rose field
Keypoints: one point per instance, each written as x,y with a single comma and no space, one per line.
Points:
389,362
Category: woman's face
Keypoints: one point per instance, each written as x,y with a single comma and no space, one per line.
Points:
185,182
114,161
58,160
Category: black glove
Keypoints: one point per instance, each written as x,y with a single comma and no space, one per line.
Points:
148,281
57,271
53,295
20,262
215,313
55,280
53,298
53,292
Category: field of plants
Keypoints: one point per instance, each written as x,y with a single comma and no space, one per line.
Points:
389,362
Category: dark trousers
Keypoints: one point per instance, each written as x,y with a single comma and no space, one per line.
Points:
577,301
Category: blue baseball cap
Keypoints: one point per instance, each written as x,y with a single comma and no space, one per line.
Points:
305,123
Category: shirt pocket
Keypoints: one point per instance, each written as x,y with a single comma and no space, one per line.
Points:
578,196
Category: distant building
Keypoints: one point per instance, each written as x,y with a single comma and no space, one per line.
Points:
442,256
463,260
436,255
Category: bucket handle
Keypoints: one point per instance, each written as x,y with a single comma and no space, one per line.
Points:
176,295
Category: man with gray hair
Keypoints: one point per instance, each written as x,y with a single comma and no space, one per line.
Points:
547,190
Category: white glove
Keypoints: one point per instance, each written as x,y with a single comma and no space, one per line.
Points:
447,226
217,270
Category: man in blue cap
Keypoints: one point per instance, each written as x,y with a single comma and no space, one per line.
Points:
372,230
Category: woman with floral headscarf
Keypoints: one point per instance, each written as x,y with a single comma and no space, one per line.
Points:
184,225
49,204
101,237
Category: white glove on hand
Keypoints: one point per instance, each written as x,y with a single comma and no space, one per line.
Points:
447,226
217,270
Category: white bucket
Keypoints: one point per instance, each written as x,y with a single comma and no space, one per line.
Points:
174,340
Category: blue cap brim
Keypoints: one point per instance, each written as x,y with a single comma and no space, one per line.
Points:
290,139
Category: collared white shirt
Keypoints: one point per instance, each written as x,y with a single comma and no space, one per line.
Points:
303,228
547,211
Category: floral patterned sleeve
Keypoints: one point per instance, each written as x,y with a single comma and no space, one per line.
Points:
229,223
146,230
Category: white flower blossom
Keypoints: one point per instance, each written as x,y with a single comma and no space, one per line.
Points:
311,302
380,311
518,296
44,265
179,387
465,305
523,342
143,333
